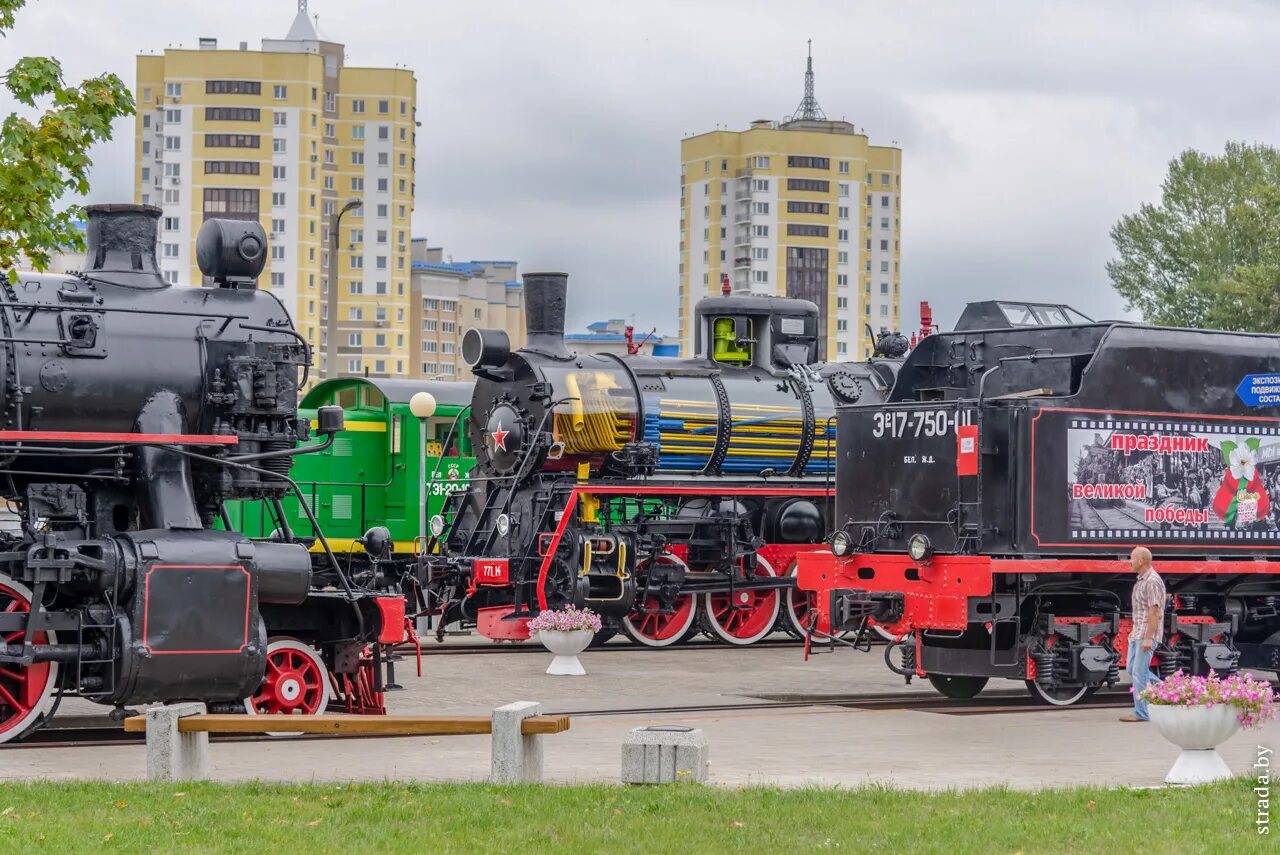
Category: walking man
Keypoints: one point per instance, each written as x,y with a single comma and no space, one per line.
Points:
1148,627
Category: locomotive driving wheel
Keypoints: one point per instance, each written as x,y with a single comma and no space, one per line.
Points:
957,686
1057,696
296,682
746,615
646,625
26,691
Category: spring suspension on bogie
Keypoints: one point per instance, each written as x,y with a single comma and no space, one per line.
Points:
1172,660
1047,671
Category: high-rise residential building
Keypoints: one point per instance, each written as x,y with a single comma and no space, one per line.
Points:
289,135
805,207
451,297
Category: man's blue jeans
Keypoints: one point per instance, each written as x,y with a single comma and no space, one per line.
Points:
1139,667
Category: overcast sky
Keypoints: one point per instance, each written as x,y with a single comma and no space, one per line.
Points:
551,128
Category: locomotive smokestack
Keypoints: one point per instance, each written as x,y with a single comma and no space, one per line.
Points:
544,301
121,245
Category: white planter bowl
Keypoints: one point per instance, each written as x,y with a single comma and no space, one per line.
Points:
566,646
1198,731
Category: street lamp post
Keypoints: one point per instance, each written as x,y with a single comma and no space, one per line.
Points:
423,407
331,299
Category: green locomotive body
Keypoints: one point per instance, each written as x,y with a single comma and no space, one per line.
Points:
370,476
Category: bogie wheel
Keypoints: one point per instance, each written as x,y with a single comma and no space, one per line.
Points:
296,682
957,686
1059,696
744,616
653,629
26,691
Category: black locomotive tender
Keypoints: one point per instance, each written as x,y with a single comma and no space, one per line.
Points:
132,410
669,495
985,509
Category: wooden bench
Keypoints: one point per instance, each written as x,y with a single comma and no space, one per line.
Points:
178,735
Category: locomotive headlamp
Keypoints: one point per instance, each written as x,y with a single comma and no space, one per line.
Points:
841,543
504,525
437,525
919,547
422,405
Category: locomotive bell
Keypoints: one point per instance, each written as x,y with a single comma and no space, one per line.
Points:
231,252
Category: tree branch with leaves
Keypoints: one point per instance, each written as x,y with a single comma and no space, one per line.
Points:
45,158
1208,255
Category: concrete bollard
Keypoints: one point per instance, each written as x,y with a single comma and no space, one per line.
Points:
172,755
664,754
516,757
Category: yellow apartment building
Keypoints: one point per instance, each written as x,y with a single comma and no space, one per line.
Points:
806,208
288,135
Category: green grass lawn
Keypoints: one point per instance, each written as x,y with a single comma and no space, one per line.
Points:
429,819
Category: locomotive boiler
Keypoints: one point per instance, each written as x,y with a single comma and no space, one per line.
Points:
986,509
669,495
132,410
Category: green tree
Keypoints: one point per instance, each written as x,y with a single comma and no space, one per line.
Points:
1208,255
41,160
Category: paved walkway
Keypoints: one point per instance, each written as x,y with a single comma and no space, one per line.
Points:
791,746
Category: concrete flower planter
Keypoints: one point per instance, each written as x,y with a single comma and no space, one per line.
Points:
1198,731
566,646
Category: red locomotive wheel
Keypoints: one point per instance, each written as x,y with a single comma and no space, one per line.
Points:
743,616
653,629
26,691
296,682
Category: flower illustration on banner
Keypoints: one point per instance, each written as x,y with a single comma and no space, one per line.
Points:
1241,498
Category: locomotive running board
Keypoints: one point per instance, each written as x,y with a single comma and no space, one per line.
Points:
125,438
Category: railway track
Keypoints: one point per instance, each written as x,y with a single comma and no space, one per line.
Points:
994,704
432,648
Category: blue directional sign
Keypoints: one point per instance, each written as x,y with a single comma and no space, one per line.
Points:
1260,390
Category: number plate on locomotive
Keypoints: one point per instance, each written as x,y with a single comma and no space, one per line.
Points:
491,571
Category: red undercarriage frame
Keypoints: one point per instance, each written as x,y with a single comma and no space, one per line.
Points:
936,594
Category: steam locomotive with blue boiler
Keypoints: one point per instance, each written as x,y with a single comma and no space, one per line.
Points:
132,410
670,496
985,507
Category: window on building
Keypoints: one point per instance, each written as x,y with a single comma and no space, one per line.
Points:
884,201
173,90
277,280
171,224
808,208
171,276
280,119
380,340
384,132
760,252
328,185
172,143
842,213
430,304
330,130
357,105
884,287
761,231
382,211
146,173
356,287
884,222
357,132
806,230
170,250
232,140
146,120
384,159
760,185
277,226
884,267
448,326
357,183
231,167
842,302
884,311
430,347
811,185
382,185
146,146
277,252
759,207
844,167
448,347
380,287
842,279
762,163
842,234
760,276
430,325
230,203
171,197
353,366
806,162
278,145
842,258
842,325
357,262
382,235
279,92
380,262
449,305
233,87
173,117
884,179
279,173
277,200
232,114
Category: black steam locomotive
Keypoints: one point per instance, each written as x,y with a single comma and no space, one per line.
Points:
984,511
132,411
669,495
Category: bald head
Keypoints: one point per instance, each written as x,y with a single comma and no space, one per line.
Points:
1140,559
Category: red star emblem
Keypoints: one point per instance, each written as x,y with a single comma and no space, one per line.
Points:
499,438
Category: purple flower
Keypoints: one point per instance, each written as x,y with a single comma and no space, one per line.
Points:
566,620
